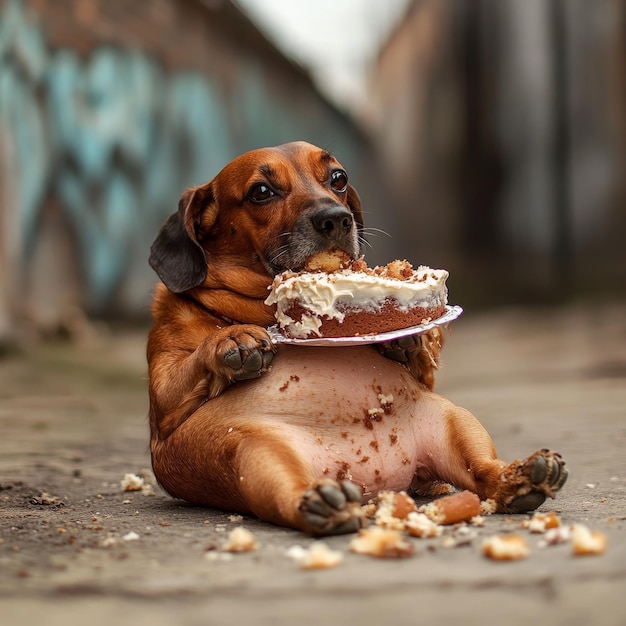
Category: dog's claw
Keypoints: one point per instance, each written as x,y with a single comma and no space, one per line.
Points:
332,508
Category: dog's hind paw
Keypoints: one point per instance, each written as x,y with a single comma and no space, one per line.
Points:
531,481
332,508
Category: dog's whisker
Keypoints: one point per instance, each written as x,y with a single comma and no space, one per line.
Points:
278,254
375,231
365,242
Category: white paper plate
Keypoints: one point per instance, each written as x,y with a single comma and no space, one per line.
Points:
451,314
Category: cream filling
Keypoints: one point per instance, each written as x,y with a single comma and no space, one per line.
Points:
325,294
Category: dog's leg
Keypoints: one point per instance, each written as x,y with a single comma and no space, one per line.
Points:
470,462
278,487
251,470
182,381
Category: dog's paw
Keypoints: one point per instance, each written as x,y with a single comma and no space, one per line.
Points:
401,350
332,508
420,353
539,476
246,352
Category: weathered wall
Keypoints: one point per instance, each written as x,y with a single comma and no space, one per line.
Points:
108,110
503,123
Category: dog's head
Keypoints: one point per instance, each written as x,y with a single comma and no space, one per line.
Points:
267,211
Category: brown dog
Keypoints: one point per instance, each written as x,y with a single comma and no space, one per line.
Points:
296,446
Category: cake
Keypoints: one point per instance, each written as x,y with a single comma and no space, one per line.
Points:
337,297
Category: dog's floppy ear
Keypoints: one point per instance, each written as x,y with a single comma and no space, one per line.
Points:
354,202
176,256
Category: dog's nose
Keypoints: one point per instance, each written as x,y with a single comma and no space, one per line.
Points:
334,220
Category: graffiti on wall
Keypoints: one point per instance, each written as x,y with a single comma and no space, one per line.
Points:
114,139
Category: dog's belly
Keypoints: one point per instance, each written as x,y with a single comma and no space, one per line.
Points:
349,412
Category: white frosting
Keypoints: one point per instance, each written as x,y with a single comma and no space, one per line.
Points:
325,294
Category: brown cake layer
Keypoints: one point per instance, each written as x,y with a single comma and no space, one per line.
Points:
358,322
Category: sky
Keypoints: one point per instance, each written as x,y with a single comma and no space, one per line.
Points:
335,40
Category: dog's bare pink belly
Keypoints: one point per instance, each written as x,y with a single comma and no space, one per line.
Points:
350,412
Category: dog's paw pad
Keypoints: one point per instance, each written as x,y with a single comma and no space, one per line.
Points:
401,350
332,508
546,470
528,502
248,357
538,477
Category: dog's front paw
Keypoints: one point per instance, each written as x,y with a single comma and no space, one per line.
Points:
420,353
531,481
332,508
246,352
401,350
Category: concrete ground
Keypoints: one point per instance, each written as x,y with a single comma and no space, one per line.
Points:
73,423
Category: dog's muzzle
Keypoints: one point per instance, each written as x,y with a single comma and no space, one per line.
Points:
316,230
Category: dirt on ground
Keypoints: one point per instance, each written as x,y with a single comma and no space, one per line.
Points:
76,546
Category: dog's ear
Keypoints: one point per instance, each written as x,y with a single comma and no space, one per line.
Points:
354,202
176,255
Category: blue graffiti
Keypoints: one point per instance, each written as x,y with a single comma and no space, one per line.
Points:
114,139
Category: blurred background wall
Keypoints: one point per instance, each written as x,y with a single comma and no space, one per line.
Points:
108,110
490,139
502,126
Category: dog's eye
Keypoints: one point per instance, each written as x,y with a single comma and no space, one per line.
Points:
339,181
260,193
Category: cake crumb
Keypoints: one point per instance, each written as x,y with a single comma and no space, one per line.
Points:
240,539
385,400
488,507
554,536
381,543
318,556
131,536
328,261
420,525
540,522
586,542
505,547
393,509
132,482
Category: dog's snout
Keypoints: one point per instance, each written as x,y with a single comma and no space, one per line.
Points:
333,220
